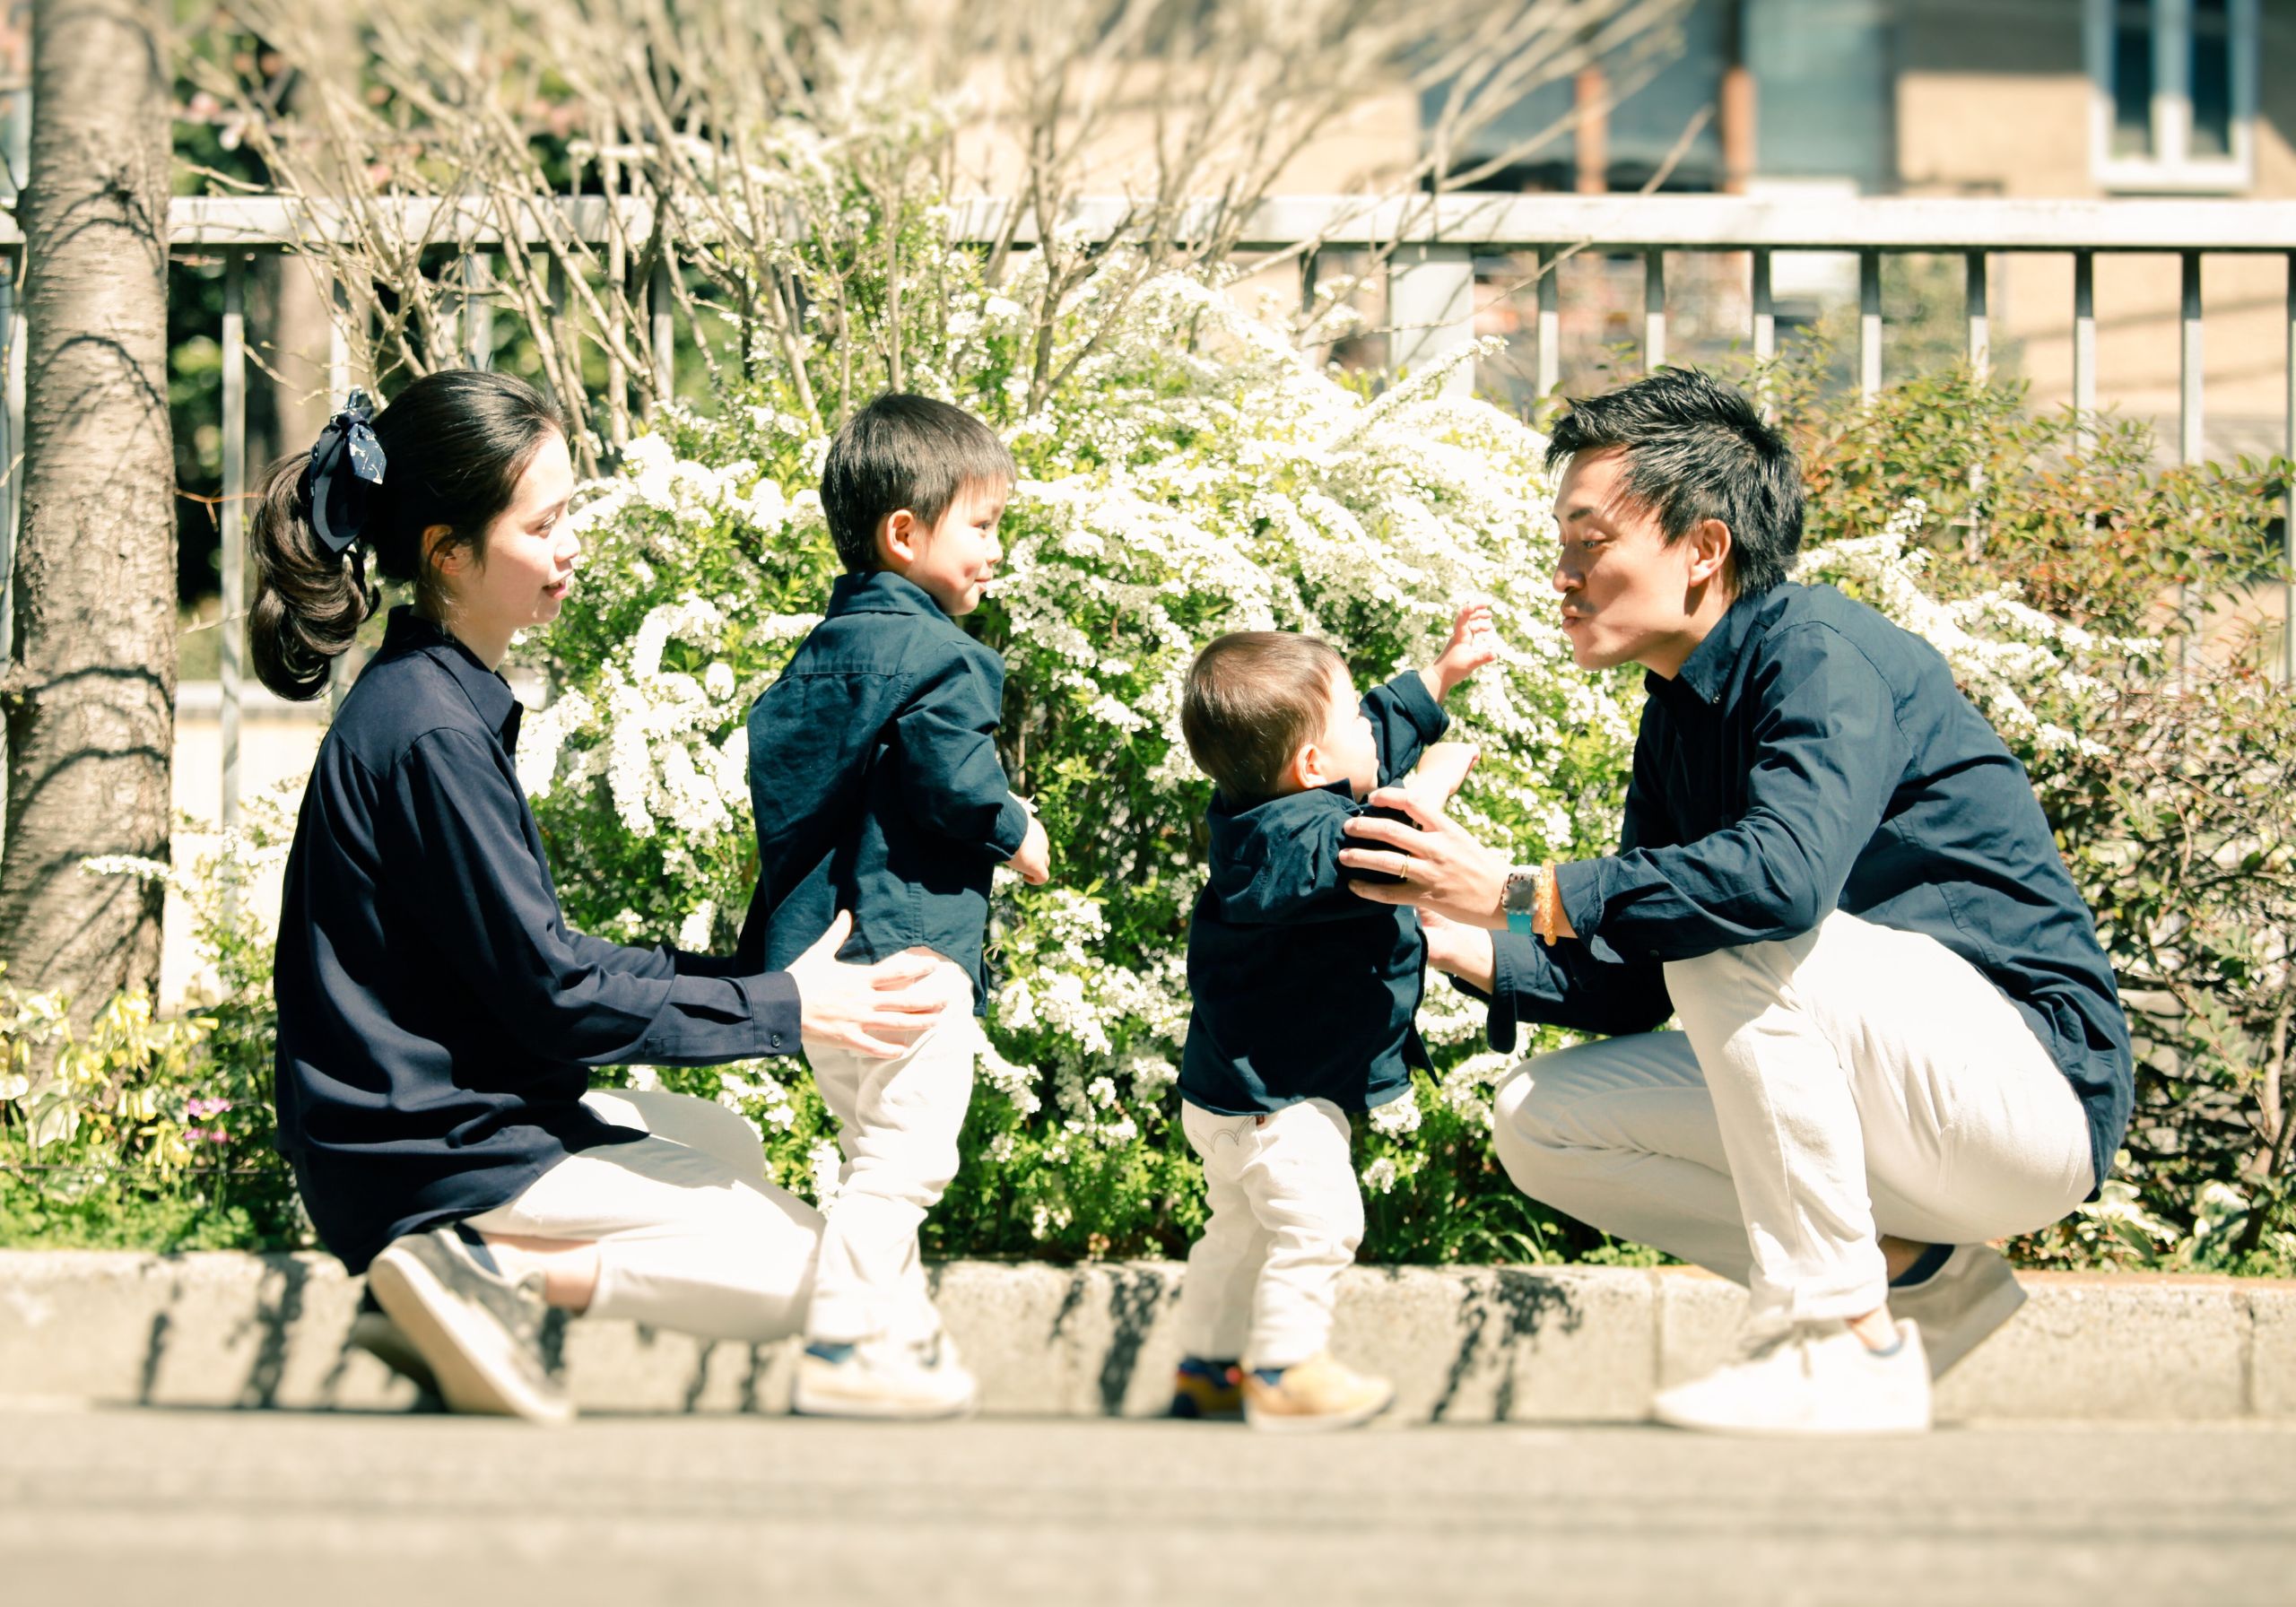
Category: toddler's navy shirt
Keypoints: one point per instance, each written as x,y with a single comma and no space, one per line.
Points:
1300,989
875,783
436,1013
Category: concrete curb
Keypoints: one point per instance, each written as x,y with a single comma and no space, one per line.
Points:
1463,1344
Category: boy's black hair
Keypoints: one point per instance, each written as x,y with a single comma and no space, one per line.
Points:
1697,449
903,451
1254,698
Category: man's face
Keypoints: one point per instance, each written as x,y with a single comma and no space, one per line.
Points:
1627,596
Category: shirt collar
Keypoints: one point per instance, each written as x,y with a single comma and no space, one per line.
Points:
1705,674
497,705
881,591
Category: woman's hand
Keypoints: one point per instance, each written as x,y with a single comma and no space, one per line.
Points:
876,1010
1443,869
1466,952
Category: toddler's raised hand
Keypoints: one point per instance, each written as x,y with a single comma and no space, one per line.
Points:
1472,645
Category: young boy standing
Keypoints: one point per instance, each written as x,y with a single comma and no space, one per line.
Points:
876,787
1303,1007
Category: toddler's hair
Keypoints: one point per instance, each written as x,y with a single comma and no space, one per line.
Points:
903,451
1254,699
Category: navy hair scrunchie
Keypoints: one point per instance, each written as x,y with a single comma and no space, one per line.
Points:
340,481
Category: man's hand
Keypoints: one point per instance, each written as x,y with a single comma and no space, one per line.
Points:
1466,952
1443,770
1472,645
1033,863
877,1009
1441,867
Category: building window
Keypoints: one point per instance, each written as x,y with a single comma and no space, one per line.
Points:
2175,90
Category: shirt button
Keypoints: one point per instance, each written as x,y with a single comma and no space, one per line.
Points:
775,1041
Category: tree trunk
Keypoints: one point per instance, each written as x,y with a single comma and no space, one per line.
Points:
89,697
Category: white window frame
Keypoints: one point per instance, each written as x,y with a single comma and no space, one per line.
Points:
2172,168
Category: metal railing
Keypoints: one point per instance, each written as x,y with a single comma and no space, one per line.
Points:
1432,245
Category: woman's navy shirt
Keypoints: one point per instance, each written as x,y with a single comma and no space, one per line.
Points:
436,1013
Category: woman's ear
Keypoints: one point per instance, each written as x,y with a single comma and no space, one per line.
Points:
442,555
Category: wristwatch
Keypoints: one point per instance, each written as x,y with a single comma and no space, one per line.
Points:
1520,899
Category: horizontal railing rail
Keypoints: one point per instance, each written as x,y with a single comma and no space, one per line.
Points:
1432,243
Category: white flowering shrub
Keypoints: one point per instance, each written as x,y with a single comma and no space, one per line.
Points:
1193,473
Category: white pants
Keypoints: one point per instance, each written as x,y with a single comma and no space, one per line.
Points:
1286,1217
898,1122
690,1235
1854,1081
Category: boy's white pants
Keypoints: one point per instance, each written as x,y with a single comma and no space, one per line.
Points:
691,1237
898,1122
1286,1217
1854,1081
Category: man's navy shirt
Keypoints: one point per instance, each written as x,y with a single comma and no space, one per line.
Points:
436,1013
876,784
1301,990
1811,756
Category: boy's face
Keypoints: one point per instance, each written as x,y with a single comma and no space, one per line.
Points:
954,560
1345,751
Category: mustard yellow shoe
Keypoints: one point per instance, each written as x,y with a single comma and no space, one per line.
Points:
1316,1393
1210,1391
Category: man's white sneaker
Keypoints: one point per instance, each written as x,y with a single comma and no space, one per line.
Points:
1958,1307
883,1377
1813,1379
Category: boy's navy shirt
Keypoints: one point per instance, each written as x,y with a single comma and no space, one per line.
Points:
1811,756
1303,990
876,784
436,1013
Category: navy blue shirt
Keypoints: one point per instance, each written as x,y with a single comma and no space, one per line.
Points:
876,784
436,1013
1301,990
1811,756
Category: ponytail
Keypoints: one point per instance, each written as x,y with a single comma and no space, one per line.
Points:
447,454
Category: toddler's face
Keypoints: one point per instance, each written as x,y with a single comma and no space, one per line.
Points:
1349,753
957,557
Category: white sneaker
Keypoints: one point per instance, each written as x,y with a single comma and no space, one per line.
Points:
883,1377
1959,1307
1816,1379
479,1331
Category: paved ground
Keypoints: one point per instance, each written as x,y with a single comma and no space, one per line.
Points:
187,1507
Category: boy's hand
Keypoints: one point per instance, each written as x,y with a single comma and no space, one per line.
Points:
1472,645
1033,863
1466,952
1443,770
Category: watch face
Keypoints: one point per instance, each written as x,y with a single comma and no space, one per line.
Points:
1521,891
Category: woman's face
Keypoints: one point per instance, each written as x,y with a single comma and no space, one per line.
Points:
529,561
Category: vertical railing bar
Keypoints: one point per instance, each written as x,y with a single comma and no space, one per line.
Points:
2191,446
2288,514
230,627
1311,266
1431,312
661,311
1980,320
617,282
338,394
1654,309
1765,328
2085,350
1550,322
1869,324
478,308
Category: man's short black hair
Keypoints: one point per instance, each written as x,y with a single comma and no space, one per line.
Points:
1696,450
903,451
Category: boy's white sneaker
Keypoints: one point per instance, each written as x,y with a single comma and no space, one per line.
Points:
1959,1307
1815,1378
911,1380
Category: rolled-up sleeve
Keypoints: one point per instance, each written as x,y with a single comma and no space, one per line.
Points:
485,902
1828,753
1404,718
